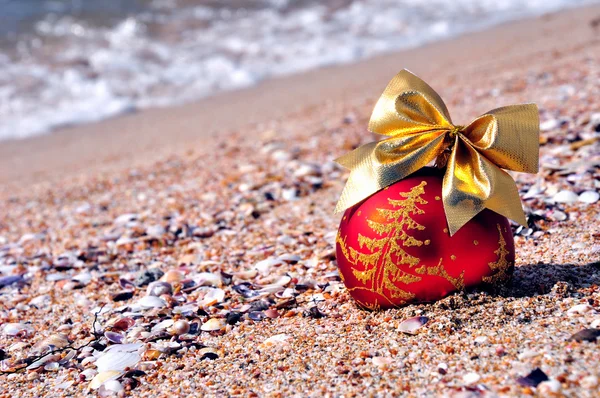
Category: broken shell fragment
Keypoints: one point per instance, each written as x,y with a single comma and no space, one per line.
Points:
411,325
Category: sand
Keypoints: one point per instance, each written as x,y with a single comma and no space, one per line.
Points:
243,184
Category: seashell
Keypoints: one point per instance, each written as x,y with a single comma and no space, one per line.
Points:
233,317
208,279
159,288
265,267
589,197
12,329
43,361
89,373
122,296
208,353
382,362
550,388
113,386
276,340
186,310
147,302
289,258
116,361
40,301
180,327
591,334
277,285
130,347
163,325
287,293
271,313
113,337
214,296
151,355
533,379
51,366
246,275
565,197
103,377
580,309
172,276
256,316
212,325
471,378
84,278
411,325
52,342
125,218
245,290
123,324
155,231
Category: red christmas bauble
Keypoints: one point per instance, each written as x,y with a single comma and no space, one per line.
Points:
394,247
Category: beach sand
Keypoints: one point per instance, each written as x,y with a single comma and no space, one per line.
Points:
236,192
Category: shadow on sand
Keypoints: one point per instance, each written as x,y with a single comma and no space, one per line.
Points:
535,279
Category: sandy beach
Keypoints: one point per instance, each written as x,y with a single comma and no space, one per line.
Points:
232,199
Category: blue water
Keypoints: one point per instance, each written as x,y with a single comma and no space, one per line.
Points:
68,62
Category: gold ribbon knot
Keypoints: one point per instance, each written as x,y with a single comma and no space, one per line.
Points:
420,130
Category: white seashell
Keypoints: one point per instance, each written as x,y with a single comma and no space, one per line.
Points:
89,373
565,197
214,296
589,382
277,340
57,340
527,354
549,124
277,285
151,302
212,325
471,378
113,385
589,197
40,301
208,279
125,218
265,267
411,325
51,366
83,278
12,329
155,231
580,309
158,288
117,361
549,388
163,325
382,362
289,258
43,361
131,347
595,324
103,377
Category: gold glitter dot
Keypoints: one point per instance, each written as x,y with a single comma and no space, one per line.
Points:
437,198
445,230
475,242
453,257
359,212
427,242
386,188
344,218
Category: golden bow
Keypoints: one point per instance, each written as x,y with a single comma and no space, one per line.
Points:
419,128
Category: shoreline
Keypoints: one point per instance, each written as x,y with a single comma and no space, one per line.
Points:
143,137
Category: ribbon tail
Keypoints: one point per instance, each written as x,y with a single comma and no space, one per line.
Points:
473,183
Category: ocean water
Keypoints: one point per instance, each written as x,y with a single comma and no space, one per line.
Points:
65,62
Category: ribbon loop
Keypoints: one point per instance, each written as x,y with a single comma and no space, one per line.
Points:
420,130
